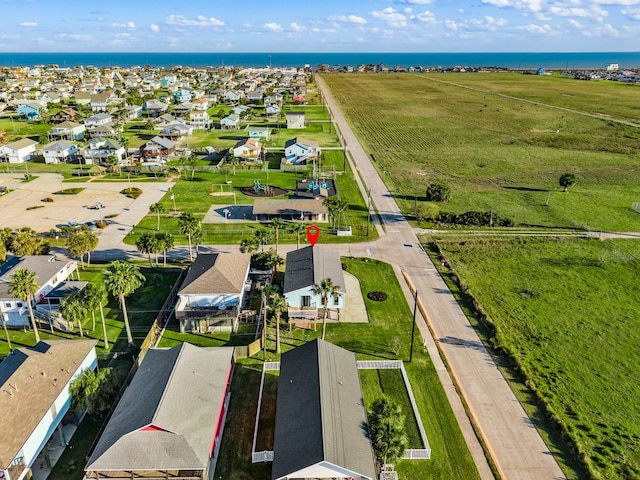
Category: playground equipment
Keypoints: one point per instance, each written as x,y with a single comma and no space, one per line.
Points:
261,188
316,186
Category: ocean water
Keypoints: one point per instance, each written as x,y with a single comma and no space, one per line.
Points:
525,60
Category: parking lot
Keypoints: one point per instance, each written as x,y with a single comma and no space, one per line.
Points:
78,208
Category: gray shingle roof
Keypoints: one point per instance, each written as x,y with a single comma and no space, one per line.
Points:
320,414
216,273
39,374
309,266
167,417
44,266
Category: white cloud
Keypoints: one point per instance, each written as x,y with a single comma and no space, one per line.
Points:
154,28
390,15
415,2
576,24
296,28
29,24
632,13
129,25
273,27
533,28
426,17
348,19
199,21
75,37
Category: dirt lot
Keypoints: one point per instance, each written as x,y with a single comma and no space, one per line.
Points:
66,208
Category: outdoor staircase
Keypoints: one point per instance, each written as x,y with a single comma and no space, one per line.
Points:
50,319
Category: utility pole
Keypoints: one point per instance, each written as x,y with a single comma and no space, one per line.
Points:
413,328
368,211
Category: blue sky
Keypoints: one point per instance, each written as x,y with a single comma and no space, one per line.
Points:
326,26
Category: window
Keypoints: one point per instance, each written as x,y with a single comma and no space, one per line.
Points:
7,304
336,300
306,301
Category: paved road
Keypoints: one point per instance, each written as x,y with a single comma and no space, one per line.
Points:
511,439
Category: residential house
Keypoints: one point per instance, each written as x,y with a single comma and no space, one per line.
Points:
101,148
108,130
272,109
31,109
255,96
212,293
68,130
177,130
305,268
300,151
233,96
132,112
199,119
295,119
248,149
99,102
170,420
60,151
50,273
311,210
50,97
19,151
35,400
241,110
65,115
276,99
98,120
163,120
321,422
230,122
200,104
155,107
157,149
82,98
259,132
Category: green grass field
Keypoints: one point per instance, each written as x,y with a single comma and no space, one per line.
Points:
572,328
499,153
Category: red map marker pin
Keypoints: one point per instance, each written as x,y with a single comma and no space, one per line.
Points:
313,233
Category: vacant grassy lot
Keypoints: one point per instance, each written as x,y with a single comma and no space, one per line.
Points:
498,153
389,325
572,327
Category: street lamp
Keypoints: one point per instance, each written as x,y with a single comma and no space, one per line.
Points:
173,197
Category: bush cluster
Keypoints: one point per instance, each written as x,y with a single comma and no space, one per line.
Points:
132,192
475,219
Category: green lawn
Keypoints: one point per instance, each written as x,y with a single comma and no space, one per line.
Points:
373,340
572,330
499,153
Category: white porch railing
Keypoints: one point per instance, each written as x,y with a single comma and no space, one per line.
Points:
260,457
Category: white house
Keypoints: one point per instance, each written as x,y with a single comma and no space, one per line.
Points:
34,383
177,130
247,148
67,130
132,112
213,291
199,119
295,119
233,95
19,151
50,273
98,120
300,150
230,122
61,151
259,132
101,148
305,268
272,109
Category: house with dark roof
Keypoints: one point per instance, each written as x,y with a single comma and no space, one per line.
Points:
50,272
158,149
301,209
34,400
321,428
169,422
101,148
305,268
213,291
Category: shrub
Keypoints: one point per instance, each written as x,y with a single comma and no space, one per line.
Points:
132,192
35,206
47,200
474,219
438,192
101,224
69,191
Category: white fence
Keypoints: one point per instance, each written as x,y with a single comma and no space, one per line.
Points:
261,457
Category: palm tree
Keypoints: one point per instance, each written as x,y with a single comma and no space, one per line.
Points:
80,243
188,225
249,245
276,225
73,310
122,279
325,289
263,237
297,229
166,243
278,305
157,208
387,431
147,243
93,391
95,296
24,286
